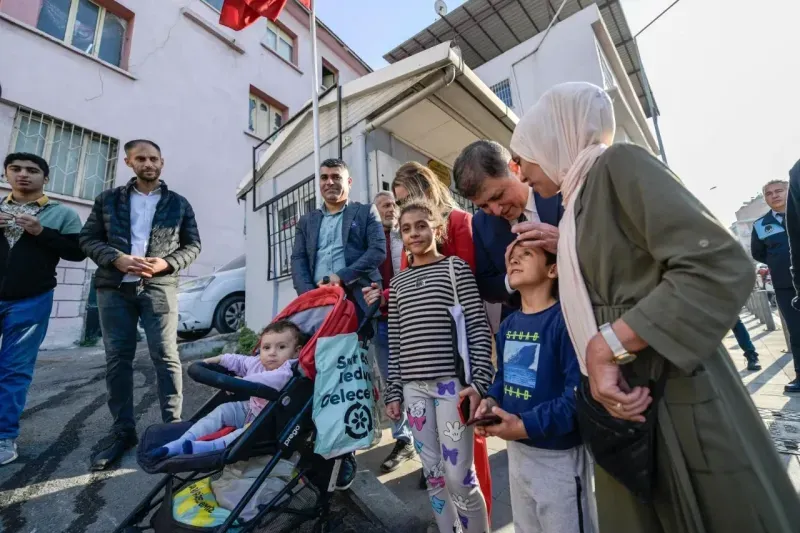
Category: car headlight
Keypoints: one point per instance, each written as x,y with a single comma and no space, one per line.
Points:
196,285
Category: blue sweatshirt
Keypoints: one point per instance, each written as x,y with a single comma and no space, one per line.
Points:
536,377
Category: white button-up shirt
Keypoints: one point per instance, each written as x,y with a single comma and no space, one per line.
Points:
143,209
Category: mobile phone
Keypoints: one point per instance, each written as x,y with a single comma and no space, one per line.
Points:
463,409
489,420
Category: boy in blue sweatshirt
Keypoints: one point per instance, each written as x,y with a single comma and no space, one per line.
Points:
533,395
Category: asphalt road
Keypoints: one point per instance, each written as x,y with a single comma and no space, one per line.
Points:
50,489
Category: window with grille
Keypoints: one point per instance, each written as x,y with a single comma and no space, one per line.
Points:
283,213
280,41
464,202
609,81
86,26
265,118
82,163
503,92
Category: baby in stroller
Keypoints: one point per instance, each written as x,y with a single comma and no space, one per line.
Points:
279,348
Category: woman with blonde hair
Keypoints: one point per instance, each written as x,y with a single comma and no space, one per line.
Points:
650,284
413,180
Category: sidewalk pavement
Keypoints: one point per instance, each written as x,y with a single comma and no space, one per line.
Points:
765,386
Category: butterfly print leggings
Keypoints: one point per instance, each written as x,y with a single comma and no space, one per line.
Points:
444,445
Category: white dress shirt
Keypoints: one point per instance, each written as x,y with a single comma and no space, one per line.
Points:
397,250
143,208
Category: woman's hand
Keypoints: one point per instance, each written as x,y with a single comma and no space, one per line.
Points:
609,387
535,235
393,410
511,427
372,294
213,360
474,400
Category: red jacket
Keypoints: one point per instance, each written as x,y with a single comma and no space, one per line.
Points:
459,239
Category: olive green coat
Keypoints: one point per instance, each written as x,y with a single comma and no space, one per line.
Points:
653,255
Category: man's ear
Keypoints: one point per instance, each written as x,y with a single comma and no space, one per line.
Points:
553,272
128,162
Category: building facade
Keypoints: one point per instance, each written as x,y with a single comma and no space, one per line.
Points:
746,215
85,76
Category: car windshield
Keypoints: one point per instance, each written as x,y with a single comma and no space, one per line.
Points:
239,262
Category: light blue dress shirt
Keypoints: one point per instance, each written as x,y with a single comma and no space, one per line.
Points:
330,249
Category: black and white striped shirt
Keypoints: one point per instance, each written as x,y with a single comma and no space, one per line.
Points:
421,345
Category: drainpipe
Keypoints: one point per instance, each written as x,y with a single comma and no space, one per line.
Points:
360,141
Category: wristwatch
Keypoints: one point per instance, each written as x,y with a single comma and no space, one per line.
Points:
621,355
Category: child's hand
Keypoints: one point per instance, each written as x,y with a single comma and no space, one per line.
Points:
393,410
474,399
213,360
372,294
511,428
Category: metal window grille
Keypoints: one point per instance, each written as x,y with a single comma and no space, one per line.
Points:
283,212
464,202
503,91
82,163
609,81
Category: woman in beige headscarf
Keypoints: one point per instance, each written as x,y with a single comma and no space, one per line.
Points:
639,253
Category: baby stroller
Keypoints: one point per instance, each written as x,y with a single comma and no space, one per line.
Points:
284,429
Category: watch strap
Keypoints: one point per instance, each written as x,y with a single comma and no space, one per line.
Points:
612,340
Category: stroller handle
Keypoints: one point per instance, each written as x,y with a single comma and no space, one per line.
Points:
371,311
216,376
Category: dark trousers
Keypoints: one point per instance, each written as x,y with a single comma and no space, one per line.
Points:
792,318
743,337
120,311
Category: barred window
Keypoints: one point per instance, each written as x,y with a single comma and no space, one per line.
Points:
82,163
464,202
283,213
503,92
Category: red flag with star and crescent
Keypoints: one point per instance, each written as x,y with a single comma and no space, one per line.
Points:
239,14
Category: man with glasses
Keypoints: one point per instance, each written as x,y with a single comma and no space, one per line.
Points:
38,232
341,243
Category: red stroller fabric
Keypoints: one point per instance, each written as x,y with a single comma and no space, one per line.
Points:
340,320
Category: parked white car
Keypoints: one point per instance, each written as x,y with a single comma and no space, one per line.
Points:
215,301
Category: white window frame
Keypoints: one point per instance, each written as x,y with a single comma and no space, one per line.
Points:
272,110
280,35
49,140
98,29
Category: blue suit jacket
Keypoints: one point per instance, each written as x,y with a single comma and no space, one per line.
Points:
492,235
364,249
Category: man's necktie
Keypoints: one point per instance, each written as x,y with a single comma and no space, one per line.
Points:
522,218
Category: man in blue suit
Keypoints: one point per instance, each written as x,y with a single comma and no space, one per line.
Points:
343,242
485,173
769,244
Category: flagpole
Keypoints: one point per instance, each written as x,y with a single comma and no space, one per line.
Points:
315,92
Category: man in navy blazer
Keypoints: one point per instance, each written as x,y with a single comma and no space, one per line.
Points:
485,173
343,241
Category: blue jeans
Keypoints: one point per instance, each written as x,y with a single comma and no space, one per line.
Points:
23,325
400,429
743,337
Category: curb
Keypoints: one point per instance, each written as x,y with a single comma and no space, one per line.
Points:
382,506
193,350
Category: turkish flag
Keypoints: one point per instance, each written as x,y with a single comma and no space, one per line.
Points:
239,14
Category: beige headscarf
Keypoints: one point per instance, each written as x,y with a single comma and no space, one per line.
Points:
565,132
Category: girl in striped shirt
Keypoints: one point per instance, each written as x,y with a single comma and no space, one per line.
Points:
422,367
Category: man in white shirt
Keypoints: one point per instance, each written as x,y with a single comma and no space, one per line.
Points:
140,235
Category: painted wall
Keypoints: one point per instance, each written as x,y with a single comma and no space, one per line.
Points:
571,39
186,88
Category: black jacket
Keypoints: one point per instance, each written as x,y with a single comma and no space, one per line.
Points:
769,244
29,268
793,225
107,235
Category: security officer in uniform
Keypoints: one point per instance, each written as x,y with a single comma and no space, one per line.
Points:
769,243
